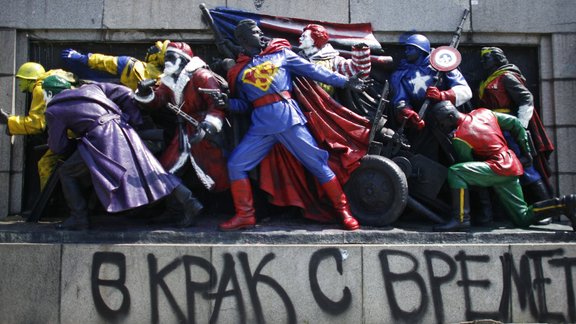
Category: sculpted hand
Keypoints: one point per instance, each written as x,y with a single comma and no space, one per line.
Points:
358,84
72,55
413,118
222,100
436,94
204,129
145,87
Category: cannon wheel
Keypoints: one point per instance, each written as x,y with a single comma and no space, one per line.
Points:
377,191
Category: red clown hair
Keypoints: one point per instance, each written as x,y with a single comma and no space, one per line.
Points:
318,33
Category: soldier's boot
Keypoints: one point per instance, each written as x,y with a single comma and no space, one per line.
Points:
340,202
556,206
486,214
173,211
245,216
460,221
77,221
539,191
77,204
191,206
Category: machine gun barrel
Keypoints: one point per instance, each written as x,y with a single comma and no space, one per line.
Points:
456,37
379,111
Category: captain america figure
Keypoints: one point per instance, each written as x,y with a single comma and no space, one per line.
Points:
413,82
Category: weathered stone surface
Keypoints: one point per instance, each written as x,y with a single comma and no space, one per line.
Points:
544,283
408,16
433,283
29,283
302,284
135,284
380,283
56,14
333,11
523,16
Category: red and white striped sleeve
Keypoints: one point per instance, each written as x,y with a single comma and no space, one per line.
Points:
359,63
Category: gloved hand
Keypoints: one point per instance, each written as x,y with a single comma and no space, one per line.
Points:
4,117
525,113
144,88
412,117
71,55
436,94
222,100
219,98
203,130
357,84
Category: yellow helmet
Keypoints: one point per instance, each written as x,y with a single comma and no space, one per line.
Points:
30,71
155,53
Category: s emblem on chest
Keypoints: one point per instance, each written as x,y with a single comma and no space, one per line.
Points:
260,76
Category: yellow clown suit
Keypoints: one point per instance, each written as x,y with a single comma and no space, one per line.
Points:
30,76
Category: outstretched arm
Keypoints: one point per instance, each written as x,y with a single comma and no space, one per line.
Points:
34,122
359,63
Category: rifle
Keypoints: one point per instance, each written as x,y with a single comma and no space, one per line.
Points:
453,43
185,153
376,147
179,112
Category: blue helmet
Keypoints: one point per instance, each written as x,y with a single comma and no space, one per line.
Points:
420,41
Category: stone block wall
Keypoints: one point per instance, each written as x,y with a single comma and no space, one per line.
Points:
91,283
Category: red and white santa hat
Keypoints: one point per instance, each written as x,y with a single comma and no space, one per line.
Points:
180,48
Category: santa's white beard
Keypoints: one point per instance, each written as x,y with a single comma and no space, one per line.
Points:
172,68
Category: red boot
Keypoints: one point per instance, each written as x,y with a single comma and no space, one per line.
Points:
340,203
243,203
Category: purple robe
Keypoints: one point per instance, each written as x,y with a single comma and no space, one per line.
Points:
124,172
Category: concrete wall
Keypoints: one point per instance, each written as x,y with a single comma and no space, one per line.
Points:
551,27
86,283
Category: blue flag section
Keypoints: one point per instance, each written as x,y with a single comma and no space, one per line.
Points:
342,36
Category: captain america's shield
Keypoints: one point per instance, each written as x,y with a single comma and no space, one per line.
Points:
445,58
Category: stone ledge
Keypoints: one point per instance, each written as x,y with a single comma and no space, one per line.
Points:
119,230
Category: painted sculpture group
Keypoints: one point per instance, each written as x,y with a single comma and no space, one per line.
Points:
310,150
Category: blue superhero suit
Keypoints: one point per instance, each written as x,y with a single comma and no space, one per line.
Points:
264,85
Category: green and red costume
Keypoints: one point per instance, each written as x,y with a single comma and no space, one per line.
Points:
485,160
